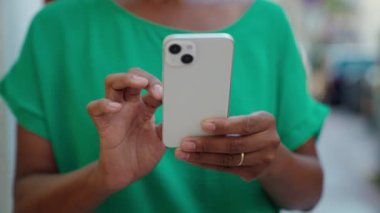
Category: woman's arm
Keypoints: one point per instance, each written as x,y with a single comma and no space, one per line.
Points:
127,132
295,180
38,187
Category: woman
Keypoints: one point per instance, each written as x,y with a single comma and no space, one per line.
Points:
73,48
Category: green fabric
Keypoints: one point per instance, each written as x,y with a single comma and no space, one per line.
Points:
72,45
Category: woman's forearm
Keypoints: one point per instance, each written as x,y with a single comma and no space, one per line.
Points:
295,182
78,191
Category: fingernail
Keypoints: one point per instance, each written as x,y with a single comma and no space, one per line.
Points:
188,146
139,79
209,126
182,155
114,105
157,90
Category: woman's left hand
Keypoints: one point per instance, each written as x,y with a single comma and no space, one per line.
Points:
246,146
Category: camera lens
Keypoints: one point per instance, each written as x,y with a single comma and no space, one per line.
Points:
187,59
174,49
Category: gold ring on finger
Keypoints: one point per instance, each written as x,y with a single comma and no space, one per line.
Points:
241,159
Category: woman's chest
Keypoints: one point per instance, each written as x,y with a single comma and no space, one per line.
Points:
253,83
80,80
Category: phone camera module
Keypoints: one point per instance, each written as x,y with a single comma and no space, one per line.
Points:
174,49
187,59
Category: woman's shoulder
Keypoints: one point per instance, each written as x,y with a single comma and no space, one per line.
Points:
67,12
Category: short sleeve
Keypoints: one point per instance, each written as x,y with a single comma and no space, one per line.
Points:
20,88
299,115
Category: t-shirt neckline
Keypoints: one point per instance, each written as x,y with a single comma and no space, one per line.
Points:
143,21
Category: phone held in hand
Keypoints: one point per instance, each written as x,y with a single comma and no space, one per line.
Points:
196,78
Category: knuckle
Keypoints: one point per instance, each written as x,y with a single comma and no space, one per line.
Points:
227,160
108,80
273,138
237,146
268,158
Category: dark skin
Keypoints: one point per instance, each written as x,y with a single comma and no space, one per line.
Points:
131,146
265,159
125,123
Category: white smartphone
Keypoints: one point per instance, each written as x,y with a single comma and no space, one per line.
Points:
196,79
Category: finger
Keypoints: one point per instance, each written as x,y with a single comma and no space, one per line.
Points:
249,159
151,101
243,125
124,86
225,144
154,86
103,107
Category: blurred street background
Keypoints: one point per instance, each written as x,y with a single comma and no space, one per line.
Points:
340,40
340,43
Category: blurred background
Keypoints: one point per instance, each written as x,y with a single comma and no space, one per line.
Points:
340,44
340,40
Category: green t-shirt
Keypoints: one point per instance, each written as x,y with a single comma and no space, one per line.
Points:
72,45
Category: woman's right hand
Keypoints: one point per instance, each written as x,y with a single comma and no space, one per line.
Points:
130,142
